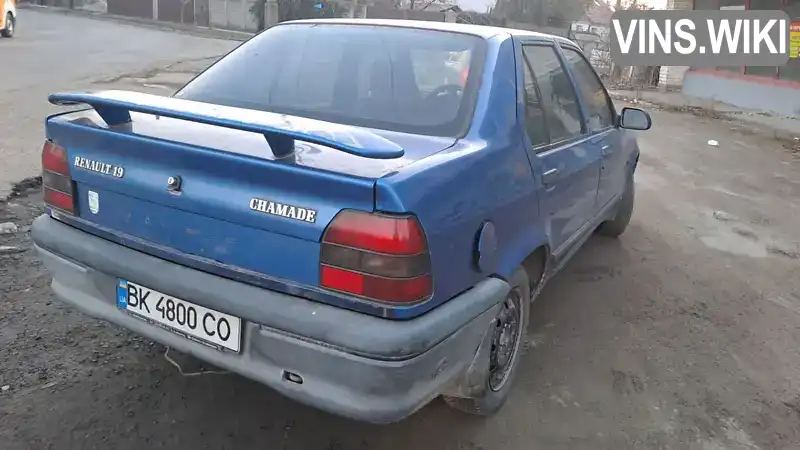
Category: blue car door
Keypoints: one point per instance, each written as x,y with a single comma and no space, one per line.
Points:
558,142
605,136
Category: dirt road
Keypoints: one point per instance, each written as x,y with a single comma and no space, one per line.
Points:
53,52
683,334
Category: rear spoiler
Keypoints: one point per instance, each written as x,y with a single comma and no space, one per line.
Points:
280,130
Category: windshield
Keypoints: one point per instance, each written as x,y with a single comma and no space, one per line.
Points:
392,78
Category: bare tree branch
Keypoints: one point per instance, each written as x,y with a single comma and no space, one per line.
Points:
428,4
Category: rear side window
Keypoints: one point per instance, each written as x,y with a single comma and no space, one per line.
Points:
392,78
557,94
591,90
535,122
434,68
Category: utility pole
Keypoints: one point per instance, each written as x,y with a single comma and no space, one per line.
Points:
615,70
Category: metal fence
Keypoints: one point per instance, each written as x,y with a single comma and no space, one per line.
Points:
224,14
238,15
98,6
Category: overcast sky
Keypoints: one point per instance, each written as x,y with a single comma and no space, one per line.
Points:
483,5
475,5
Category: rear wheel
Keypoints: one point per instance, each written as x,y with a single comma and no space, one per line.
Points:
8,31
617,225
507,333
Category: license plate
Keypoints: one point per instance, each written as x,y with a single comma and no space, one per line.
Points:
195,322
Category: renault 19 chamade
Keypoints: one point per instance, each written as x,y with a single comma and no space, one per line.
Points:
336,212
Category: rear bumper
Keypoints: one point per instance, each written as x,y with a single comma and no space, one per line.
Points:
352,364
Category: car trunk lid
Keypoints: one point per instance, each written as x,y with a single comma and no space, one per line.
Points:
255,190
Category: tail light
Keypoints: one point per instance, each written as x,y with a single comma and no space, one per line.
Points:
377,257
56,180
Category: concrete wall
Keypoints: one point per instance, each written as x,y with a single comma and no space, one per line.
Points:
781,97
233,15
671,76
680,4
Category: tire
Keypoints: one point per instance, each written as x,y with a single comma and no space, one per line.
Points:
494,395
11,24
616,226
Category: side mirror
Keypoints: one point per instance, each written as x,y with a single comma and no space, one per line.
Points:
634,119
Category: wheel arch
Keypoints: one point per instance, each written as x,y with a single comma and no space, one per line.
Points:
532,253
535,265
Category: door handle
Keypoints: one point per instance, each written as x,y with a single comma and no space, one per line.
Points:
550,176
605,149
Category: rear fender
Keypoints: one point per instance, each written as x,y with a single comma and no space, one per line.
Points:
472,382
519,248
631,147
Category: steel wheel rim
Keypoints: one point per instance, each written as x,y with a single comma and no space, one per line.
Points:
10,25
506,338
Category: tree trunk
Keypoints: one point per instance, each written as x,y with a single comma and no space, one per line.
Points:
616,71
259,10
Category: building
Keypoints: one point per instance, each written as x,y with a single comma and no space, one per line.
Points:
592,31
774,89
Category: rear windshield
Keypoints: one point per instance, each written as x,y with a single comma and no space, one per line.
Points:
398,79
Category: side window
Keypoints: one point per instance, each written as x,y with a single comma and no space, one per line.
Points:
535,122
557,95
591,91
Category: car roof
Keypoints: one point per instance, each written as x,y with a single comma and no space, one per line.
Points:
484,31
